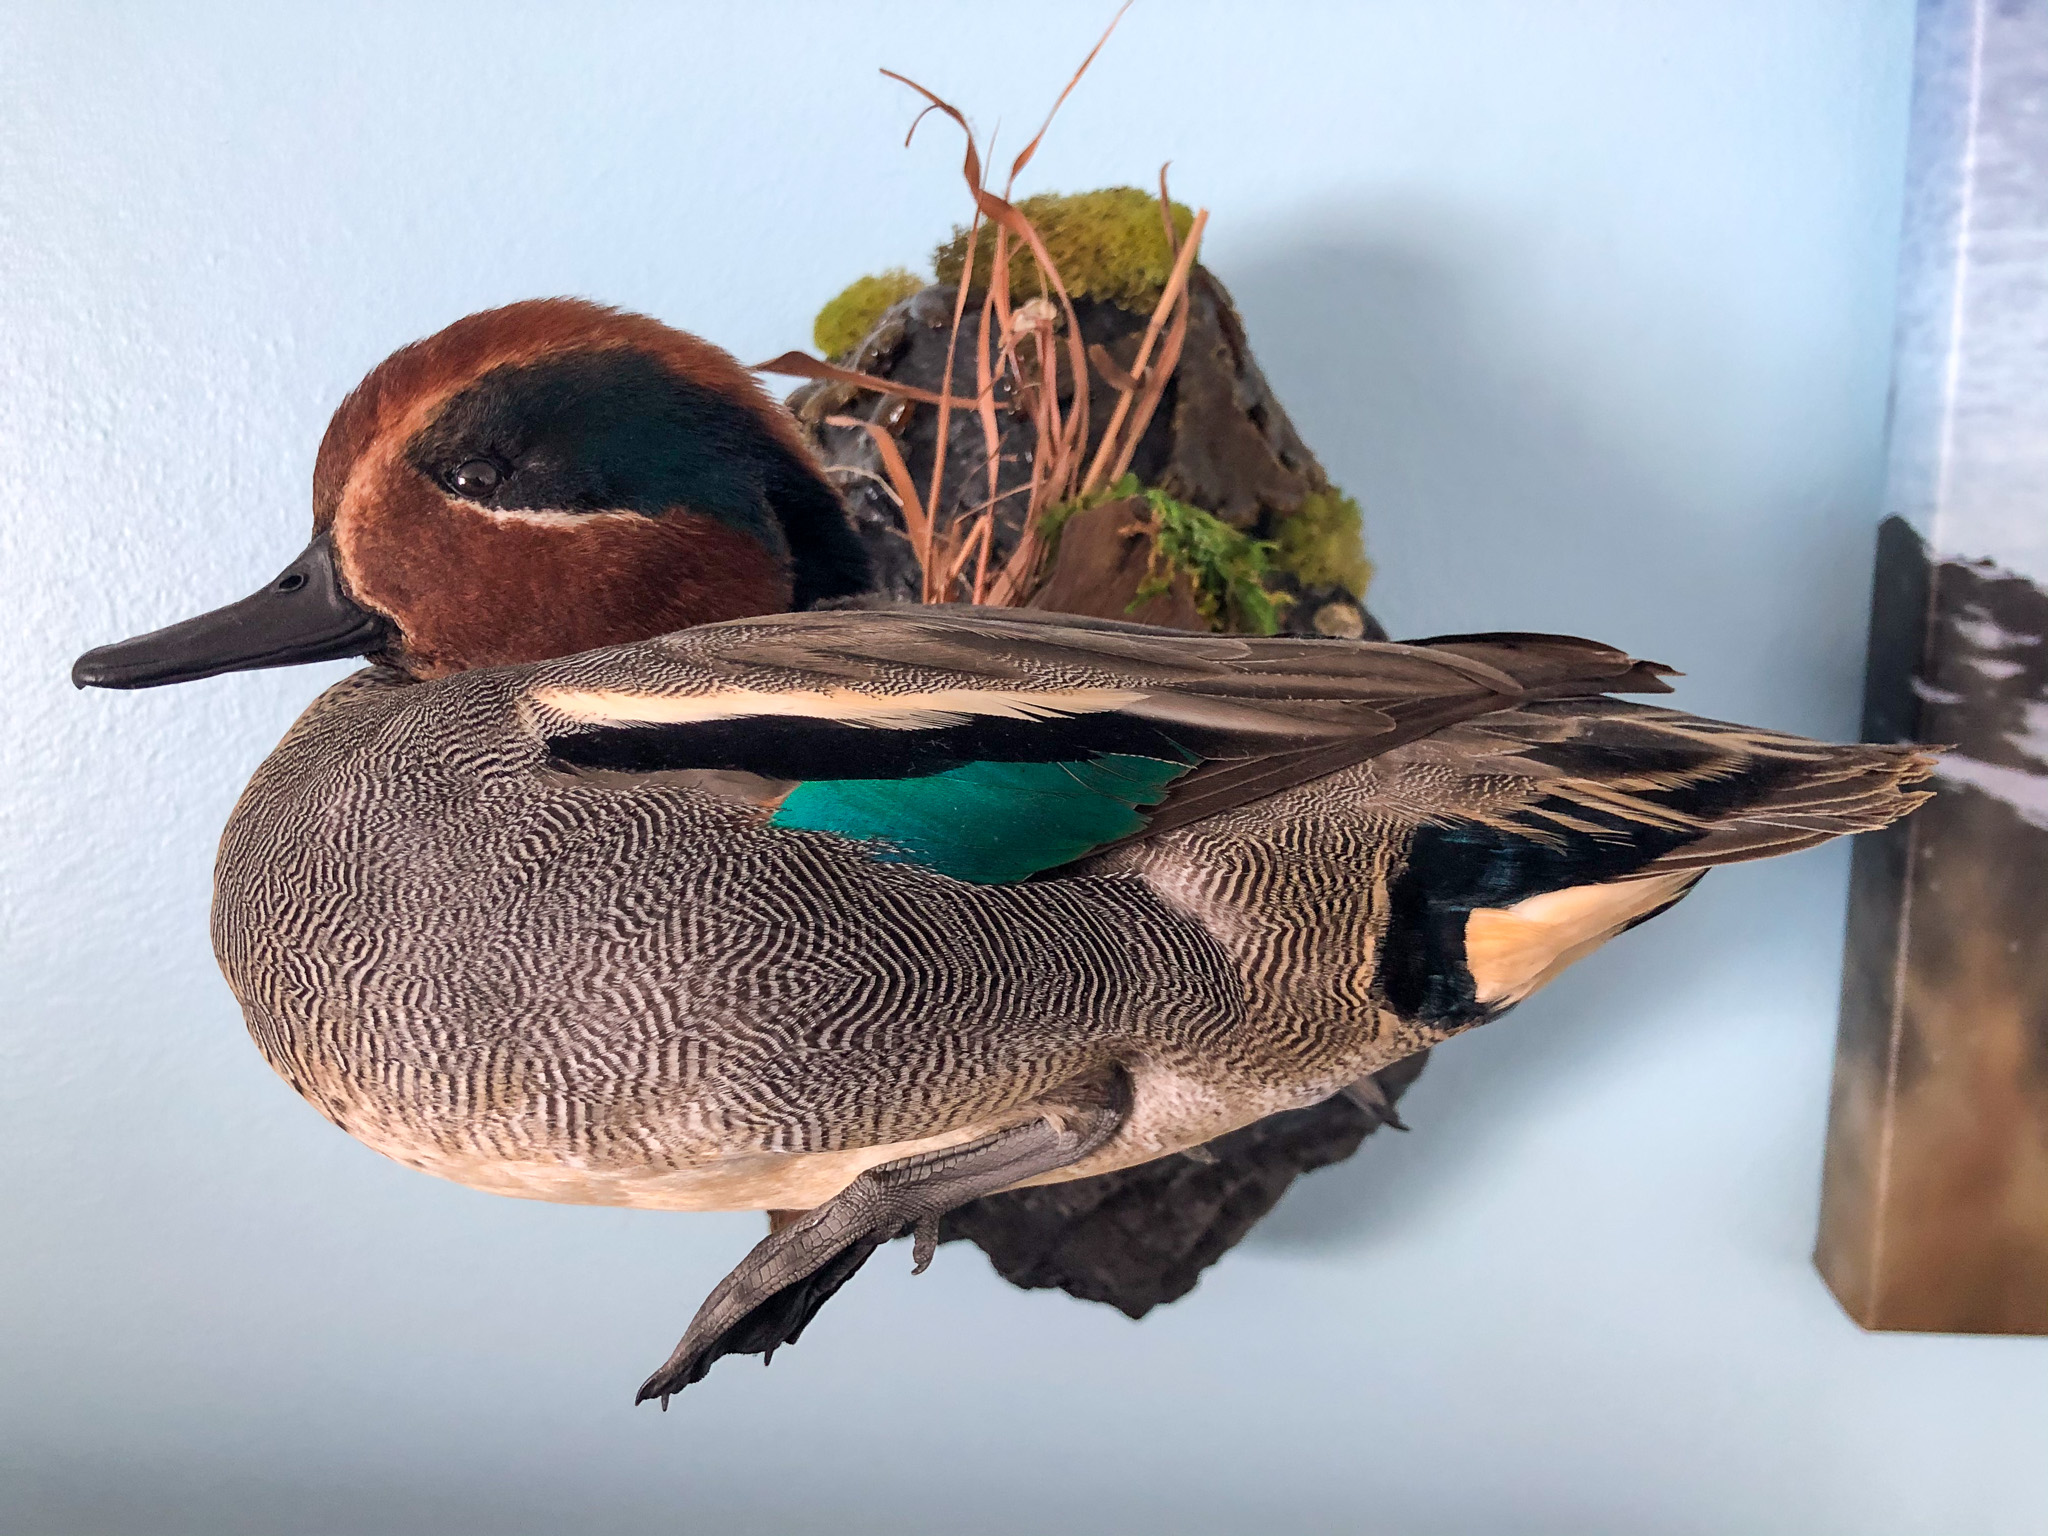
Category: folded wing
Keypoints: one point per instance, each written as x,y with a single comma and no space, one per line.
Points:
994,744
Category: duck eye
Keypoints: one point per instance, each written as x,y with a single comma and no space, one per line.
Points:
475,477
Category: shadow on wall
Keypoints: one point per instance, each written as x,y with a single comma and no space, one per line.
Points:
1492,503
1513,480
1480,1089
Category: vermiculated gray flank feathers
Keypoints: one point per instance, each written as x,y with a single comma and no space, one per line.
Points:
629,985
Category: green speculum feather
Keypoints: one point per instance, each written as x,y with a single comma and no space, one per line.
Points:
988,823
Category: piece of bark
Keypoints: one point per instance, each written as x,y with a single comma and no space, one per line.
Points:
1219,440
1104,557
1234,452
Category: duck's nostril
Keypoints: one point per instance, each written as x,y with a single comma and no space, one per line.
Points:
290,581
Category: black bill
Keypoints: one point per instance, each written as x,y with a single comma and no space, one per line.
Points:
304,615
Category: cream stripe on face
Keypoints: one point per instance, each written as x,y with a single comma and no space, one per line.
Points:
539,517
847,706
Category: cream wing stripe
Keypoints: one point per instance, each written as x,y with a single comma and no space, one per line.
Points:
848,706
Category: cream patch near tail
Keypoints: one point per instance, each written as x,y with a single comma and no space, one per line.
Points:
1511,951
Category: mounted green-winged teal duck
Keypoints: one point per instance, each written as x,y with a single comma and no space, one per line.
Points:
600,886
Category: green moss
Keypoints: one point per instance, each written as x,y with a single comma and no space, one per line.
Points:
1108,245
1225,567
844,321
1323,544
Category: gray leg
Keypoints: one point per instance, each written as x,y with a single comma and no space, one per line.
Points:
1369,1096
778,1288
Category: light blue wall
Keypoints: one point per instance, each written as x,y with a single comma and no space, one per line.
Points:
1589,300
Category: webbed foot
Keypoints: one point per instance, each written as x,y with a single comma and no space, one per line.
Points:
778,1288
1369,1096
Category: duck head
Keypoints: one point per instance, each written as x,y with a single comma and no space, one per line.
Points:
531,482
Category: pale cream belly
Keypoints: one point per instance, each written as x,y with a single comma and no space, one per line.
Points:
1169,1114
764,1181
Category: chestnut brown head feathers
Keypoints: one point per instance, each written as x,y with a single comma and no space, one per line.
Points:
533,481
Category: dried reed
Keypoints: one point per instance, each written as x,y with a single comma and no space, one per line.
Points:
1019,350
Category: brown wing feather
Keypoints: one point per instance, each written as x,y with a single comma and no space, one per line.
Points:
891,649
1268,714
1535,833
1736,792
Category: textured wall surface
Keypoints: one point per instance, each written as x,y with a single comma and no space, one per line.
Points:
1590,303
